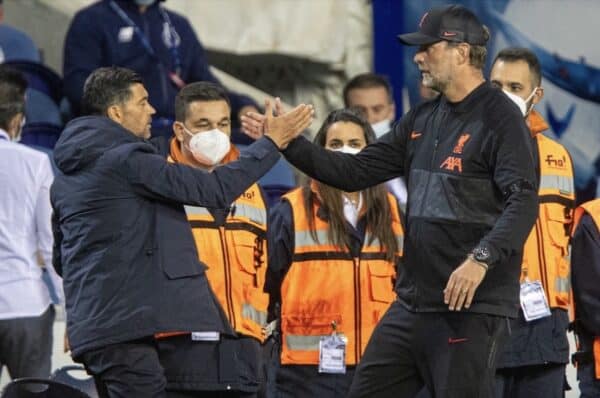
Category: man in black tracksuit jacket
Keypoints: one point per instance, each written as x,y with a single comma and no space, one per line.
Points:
467,158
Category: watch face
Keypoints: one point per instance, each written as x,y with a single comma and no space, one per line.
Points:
481,254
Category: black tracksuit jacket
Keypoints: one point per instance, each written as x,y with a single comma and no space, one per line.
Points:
471,182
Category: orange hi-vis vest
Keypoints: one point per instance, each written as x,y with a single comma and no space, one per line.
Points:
593,209
546,255
235,254
326,289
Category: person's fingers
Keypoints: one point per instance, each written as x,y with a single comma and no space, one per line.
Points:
268,108
250,121
448,288
470,295
461,297
279,107
304,122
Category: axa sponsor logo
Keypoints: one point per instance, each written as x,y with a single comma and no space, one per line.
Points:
557,163
452,163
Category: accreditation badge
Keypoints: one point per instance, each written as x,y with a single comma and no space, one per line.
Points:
533,301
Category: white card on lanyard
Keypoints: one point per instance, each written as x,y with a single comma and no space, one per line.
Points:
332,354
533,301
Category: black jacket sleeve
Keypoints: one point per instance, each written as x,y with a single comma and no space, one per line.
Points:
152,176
280,238
585,274
58,237
375,164
511,160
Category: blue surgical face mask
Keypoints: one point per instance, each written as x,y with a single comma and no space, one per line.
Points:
143,2
382,127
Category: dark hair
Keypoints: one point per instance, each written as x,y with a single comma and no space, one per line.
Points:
198,91
368,80
378,212
12,94
514,54
106,87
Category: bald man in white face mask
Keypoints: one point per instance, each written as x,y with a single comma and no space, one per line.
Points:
372,95
537,351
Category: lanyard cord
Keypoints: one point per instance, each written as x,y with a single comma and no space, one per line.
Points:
172,45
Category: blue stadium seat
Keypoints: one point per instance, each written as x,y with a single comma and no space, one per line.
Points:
16,45
40,134
40,78
40,108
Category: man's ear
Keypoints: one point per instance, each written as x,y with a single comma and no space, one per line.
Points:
463,51
14,125
178,131
115,113
539,94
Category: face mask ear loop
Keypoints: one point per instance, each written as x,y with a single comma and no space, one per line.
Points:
529,99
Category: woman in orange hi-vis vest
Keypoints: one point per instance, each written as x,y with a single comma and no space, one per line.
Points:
332,266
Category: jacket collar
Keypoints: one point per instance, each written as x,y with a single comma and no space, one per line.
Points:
468,102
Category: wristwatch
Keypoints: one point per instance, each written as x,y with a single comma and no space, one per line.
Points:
482,254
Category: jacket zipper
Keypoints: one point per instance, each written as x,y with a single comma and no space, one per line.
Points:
357,306
227,272
431,165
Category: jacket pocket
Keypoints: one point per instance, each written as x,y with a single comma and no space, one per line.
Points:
250,252
557,226
381,284
311,325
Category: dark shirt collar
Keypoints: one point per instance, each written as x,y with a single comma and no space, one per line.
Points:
468,102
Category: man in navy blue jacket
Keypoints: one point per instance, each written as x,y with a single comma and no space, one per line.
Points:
123,244
141,35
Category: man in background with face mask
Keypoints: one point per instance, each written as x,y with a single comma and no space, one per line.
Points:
231,242
372,95
537,351
26,311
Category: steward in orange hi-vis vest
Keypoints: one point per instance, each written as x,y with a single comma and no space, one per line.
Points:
586,292
326,289
236,255
546,253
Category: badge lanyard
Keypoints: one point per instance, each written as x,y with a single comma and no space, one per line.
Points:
332,352
172,45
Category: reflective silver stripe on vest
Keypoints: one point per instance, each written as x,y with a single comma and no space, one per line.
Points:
197,211
249,312
563,184
304,238
562,285
303,343
253,213
376,243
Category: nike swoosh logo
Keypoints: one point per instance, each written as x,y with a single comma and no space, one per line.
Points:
448,34
414,135
454,341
